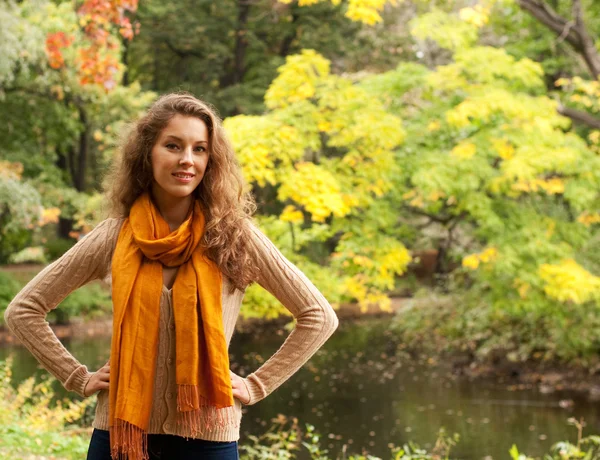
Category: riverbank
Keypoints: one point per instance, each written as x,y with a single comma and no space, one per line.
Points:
102,327
546,377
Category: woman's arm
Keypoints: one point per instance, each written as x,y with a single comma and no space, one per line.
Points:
25,316
315,318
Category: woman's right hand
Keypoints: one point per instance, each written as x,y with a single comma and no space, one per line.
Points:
98,381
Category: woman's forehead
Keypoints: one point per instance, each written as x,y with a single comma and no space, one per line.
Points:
184,128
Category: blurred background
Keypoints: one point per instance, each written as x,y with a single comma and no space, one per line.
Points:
432,166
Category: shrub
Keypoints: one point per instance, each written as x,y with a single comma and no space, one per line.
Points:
31,424
91,300
28,255
8,290
57,247
20,209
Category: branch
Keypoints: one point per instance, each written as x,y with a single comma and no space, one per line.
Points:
574,31
438,219
589,51
547,16
580,117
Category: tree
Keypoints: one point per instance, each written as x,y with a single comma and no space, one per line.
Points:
503,187
573,61
61,101
321,160
228,53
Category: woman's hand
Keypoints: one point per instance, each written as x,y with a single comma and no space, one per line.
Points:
239,388
98,381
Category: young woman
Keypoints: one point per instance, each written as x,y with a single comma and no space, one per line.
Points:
179,250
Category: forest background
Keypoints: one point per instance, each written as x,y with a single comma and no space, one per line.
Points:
446,151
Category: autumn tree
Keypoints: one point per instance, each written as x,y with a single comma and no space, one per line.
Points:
61,96
496,179
321,162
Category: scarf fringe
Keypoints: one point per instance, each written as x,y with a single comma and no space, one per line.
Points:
128,442
197,415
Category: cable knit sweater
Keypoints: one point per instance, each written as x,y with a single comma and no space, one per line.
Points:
90,259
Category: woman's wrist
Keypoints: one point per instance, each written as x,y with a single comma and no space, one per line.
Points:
255,389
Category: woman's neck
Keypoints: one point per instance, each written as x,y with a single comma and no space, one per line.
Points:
173,210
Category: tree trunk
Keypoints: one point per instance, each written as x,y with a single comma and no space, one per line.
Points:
235,68
65,226
241,41
79,179
286,44
125,43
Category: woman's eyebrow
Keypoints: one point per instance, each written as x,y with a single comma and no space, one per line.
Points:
172,136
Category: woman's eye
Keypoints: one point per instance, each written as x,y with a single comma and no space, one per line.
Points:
171,146
200,149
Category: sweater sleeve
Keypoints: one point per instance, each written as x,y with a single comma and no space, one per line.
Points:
315,318
25,316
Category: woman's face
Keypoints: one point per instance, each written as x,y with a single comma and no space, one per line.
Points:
179,158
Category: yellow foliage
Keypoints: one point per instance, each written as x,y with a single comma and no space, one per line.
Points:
291,214
482,106
356,287
464,150
365,11
324,126
297,79
478,15
583,92
553,186
522,287
473,261
435,195
569,282
363,261
57,91
505,150
392,262
589,218
263,143
448,30
416,199
11,170
433,126
49,216
29,405
316,189
417,202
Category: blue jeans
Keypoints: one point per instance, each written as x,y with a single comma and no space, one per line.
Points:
168,447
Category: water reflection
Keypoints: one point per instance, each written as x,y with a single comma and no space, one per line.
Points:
358,391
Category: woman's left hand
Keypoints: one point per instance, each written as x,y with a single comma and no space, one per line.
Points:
239,388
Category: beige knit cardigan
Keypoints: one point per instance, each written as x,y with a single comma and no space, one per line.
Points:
90,259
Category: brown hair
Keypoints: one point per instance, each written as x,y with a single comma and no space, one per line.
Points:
227,207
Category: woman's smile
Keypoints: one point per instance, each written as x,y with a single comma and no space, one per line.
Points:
185,178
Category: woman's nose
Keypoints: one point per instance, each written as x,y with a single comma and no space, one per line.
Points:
187,157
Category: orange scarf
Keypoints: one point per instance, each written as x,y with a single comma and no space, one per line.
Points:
144,245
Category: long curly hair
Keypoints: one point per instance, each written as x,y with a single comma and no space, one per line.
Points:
227,205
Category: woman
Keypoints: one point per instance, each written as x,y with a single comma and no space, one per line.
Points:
179,250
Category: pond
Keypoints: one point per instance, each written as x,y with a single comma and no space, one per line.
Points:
359,392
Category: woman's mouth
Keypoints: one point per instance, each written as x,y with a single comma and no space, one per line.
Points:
183,177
